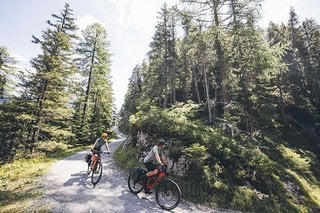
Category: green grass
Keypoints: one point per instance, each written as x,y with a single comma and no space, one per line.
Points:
127,158
21,181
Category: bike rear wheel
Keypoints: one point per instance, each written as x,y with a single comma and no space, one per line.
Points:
168,194
96,173
135,185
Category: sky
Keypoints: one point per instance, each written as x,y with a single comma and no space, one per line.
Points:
130,25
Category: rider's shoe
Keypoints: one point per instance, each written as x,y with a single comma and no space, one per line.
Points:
147,192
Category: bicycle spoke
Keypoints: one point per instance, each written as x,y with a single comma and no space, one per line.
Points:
134,184
168,194
96,173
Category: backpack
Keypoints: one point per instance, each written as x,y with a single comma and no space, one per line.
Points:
137,173
87,158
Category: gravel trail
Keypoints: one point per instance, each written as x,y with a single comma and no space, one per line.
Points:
68,188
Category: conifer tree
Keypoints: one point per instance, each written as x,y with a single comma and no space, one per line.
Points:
310,54
96,101
6,68
132,99
163,59
49,87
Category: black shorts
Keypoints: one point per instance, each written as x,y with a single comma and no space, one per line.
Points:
151,166
96,151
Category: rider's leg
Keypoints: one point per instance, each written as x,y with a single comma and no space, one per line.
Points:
151,173
152,170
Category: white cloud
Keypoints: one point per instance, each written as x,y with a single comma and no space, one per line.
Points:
140,14
143,15
19,58
86,20
23,63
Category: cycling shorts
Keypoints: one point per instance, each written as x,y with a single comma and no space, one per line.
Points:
151,166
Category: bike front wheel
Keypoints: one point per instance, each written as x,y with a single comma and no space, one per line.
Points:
168,194
135,185
96,173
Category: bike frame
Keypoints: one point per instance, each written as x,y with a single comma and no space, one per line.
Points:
95,159
164,188
155,179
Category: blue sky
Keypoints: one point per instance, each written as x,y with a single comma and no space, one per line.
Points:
129,24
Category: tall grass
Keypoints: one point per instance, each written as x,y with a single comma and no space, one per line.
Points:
21,181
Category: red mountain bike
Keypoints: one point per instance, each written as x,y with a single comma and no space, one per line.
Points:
95,167
167,191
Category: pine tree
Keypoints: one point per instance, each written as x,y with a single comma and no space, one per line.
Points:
310,54
6,68
132,98
96,102
293,58
49,87
163,59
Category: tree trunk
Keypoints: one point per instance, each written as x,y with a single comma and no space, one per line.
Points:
207,95
84,111
221,71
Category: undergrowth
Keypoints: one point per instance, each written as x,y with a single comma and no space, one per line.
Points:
266,173
21,181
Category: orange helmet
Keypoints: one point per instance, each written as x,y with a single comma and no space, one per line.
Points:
104,135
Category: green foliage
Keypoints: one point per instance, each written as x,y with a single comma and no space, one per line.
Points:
49,88
6,69
50,111
247,173
243,199
196,152
127,158
94,103
15,122
237,77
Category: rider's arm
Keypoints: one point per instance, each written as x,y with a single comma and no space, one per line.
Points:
158,158
107,146
164,160
94,144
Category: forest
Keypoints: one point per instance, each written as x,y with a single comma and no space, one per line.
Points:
239,105
66,98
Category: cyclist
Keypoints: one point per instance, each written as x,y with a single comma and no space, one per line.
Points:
100,142
96,148
154,161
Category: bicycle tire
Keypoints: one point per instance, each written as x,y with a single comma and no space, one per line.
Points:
168,194
134,185
96,173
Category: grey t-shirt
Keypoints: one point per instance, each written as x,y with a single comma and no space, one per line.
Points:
150,156
99,143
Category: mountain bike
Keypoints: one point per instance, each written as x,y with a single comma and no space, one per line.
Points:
167,192
95,167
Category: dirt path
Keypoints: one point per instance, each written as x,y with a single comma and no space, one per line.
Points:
68,189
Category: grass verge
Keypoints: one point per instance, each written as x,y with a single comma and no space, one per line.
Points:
21,181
